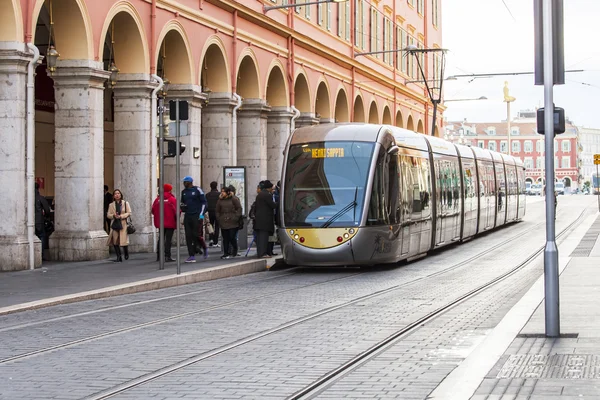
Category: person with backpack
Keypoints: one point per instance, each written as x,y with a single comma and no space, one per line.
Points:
193,204
170,220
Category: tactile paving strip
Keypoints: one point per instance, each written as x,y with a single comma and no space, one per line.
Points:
585,246
558,366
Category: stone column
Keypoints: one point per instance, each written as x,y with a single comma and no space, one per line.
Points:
278,132
14,246
79,162
189,163
252,143
307,119
326,120
134,138
216,137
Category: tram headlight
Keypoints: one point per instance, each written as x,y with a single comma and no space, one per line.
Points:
346,236
296,237
292,232
351,231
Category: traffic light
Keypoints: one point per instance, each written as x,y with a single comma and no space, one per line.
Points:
597,159
172,148
559,121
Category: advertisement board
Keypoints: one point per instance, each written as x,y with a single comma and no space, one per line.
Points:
236,176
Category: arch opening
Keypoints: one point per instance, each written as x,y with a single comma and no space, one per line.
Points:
373,113
174,59
341,107
420,127
387,116
410,125
302,94
322,102
213,71
399,121
277,95
247,79
359,110
128,50
9,22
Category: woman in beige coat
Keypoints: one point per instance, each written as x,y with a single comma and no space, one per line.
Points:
118,211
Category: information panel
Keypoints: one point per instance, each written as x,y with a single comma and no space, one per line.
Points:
236,176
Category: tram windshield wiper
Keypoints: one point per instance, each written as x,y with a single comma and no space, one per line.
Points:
343,211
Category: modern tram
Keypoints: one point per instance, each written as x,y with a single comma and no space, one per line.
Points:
362,194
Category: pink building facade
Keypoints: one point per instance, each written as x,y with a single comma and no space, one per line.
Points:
250,76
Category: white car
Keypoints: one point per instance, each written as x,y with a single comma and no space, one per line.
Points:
536,189
559,188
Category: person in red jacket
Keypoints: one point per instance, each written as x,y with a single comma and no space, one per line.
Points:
170,220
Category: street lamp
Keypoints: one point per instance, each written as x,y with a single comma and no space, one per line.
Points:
434,90
269,8
51,54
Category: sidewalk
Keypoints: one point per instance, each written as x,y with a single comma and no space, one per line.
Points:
62,282
517,362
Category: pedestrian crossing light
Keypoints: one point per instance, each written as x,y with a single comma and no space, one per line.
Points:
172,148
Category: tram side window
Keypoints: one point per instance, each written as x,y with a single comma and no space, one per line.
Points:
425,185
393,189
377,206
407,186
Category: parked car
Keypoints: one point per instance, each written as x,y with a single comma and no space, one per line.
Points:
527,188
536,189
559,188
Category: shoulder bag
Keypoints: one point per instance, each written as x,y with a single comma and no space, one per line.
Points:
130,225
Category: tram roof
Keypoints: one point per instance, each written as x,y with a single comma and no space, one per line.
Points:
327,132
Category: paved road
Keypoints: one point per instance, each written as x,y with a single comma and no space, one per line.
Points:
270,334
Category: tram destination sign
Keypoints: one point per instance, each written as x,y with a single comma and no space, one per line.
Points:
332,152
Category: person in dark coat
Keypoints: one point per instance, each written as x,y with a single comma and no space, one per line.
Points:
229,211
170,220
108,198
211,206
264,223
42,211
193,205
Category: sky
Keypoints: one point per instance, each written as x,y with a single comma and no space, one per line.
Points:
487,36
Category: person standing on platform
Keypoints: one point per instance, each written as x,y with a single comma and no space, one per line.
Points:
229,211
118,212
42,212
264,223
211,199
170,220
193,204
273,239
108,198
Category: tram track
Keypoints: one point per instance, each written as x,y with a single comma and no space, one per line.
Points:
118,389
327,380
158,321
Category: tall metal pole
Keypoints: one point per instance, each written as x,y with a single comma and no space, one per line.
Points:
551,251
161,182
508,126
178,178
435,103
598,183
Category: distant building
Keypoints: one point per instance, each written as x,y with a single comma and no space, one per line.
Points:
589,140
526,144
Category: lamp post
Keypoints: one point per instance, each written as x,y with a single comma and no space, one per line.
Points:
269,8
434,90
508,99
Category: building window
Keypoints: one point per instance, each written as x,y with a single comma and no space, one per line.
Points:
388,35
360,36
566,162
328,20
491,130
481,144
410,59
344,20
435,12
307,11
555,146
514,130
320,14
504,147
421,6
411,3
401,55
540,162
566,146
528,163
492,145
528,146
556,165
375,31
539,146
516,146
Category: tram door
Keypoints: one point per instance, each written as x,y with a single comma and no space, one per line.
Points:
502,198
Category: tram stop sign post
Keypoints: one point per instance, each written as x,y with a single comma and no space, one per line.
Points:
597,163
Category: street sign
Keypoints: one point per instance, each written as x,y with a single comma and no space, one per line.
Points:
597,159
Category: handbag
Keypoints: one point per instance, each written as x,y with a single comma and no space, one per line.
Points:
130,225
209,228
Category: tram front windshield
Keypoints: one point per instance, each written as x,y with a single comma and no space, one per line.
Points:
325,184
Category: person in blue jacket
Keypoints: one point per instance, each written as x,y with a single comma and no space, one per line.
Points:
193,204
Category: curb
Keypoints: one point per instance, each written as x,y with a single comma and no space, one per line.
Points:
208,274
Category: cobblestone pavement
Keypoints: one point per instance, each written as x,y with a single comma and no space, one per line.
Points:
222,312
